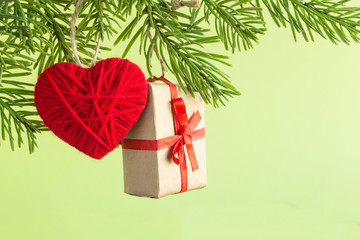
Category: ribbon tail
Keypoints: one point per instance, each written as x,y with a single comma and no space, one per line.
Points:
191,153
194,121
184,177
181,161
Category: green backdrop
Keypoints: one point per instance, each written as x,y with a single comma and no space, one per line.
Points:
283,162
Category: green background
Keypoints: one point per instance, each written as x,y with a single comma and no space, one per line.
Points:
283,162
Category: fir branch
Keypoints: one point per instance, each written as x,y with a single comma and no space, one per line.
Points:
237,22
332,20
18,114
181,47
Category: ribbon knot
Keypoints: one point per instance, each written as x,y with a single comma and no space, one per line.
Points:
184,129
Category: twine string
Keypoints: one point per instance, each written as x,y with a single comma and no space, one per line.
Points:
162,63
175,4
73,41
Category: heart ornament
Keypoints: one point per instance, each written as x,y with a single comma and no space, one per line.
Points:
91,109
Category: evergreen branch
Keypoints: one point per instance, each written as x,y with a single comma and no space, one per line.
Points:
180,45
236,22
98,19
332,20
17,113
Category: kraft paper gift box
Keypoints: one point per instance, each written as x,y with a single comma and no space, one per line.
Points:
161,139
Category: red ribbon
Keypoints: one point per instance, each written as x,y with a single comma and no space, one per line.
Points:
185,135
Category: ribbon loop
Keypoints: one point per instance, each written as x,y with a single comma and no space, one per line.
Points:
179,150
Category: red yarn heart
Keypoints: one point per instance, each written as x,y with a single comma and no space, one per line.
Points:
91,109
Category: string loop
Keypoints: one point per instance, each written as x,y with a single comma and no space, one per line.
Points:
72,37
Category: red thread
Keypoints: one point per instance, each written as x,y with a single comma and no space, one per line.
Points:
91,109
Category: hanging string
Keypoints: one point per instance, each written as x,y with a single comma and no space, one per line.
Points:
73,41
162,63
175,4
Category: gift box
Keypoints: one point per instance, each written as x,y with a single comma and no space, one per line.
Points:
164,152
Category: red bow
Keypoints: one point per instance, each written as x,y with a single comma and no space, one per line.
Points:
184,129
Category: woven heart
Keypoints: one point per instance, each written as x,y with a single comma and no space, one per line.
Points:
91,109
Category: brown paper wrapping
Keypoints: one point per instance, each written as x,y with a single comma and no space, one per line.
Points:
153,173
